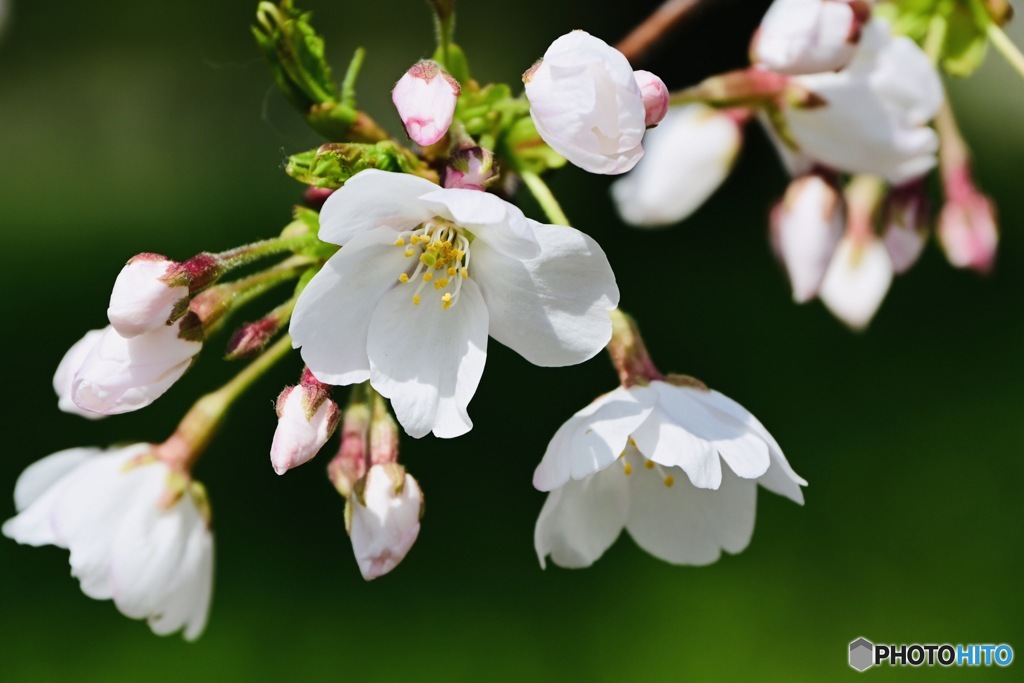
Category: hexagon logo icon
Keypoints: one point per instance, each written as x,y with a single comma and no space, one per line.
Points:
862,654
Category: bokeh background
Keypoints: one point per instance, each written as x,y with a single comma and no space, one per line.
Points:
128,127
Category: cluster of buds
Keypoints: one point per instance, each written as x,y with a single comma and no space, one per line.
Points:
383,503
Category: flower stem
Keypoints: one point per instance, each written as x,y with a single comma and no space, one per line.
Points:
542,193
214,304
935,39
240,256
643,37
204,419
1005,46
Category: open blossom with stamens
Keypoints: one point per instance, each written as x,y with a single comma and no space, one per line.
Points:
688,156
120,375
809,36
130,542
586,104
425,98
872,116
425,275
146,295
674,463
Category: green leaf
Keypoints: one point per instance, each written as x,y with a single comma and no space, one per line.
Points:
296,54
455,64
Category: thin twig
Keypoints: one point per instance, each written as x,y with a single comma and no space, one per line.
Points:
640,39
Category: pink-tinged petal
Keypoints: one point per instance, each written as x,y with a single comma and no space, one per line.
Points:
655,97
590,440
581,520
807,36
683,524
425,98
553,309
332,316
429,360
371,199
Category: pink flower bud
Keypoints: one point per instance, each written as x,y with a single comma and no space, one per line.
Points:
120,375
146,295
383,518
470,169
350,464
655,95
425,98
967,225
307,418
807,226
906,225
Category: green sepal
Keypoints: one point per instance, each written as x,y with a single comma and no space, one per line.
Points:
330,165
296,54
454,62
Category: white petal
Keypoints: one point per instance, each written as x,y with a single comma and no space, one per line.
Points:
140,300
427,360
500,224
371,199
857,281
688,156
581,520
425,98
590,440
666,438
65,374
683,524
384,529
332,315
809,226
552,310
806,36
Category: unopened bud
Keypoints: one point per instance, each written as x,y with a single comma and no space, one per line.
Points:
857,279
471,168
307,417
905,224
350,464
149,293
383,433
967,225
809,36
806,228
655,95
316,196
383,518
65,374
425,98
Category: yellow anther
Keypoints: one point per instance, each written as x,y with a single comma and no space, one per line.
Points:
428,259
627,469
452,270
670,481
427,277
408,253
415,239
632,442
447,297
415,299
443,282
399,242
437,285
459,254
649,464
465,272
403,278
445,305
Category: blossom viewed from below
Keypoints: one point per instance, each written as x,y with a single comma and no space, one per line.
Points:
152,555
425,275
809,36
676,465
586,104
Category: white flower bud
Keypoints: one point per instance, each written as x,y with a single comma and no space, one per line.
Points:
151,553
655,95
857,280
967,225
121,375
65,374
906,225
809,36
306,420
142,299
586,104
688,157
383,518
808,226
425,98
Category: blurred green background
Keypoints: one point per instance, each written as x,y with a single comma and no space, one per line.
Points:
128,127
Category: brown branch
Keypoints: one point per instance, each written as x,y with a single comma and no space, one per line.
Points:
643,37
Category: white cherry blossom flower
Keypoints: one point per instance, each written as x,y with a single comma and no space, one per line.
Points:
807,226
586,104
120,375
143,298
650,459
425,98
383,519
425,275
809,36
129,542
688,156
872,117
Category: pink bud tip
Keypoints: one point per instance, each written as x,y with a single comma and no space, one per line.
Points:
655,96
425,98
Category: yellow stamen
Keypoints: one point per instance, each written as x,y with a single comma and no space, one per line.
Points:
445,305
649,464
415,299
427,277
465,272
403,278
415,239
447,297
452,270
627,469
408,253
399,242
669,481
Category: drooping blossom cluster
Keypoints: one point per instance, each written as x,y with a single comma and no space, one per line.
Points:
411,258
